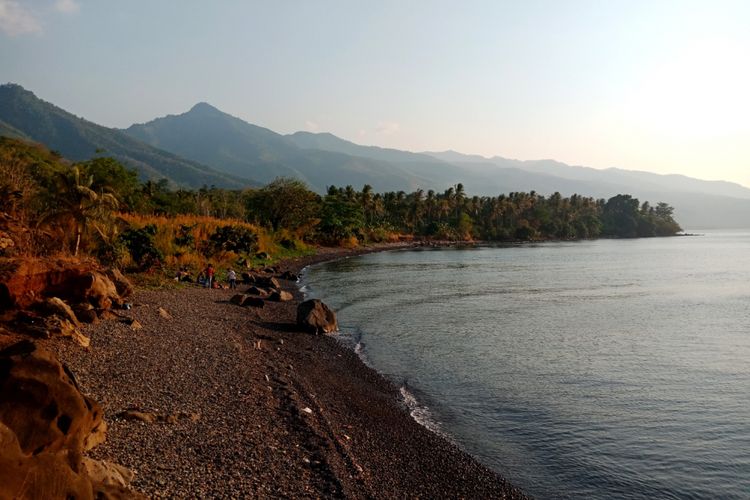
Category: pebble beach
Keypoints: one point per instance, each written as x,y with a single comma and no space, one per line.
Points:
240,403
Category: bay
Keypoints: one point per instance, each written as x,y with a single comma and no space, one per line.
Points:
608,368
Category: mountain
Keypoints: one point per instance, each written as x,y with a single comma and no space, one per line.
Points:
210,136
207,146
229,144
610,176
23,115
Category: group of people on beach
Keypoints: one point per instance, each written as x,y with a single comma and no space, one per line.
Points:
207,277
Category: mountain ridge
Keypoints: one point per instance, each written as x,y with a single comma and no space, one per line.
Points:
206,145
78,139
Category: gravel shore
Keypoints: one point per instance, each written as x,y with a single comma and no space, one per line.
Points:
251,407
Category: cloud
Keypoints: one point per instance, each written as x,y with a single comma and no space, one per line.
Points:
16,20
388,128
67,6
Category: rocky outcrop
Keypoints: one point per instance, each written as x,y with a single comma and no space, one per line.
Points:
46,425
40,402
25,282
315,317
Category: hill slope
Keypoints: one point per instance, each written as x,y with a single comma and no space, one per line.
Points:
23,115
208,135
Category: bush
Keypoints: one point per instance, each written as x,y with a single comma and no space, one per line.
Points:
236,239
140,244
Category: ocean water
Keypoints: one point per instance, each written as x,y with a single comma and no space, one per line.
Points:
596,369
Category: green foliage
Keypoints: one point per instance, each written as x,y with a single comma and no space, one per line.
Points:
283,204
341,217
184,236
236,239
140,244
623,217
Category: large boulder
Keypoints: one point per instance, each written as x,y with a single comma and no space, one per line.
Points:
315,317
41,403
42,475
267,282
24,282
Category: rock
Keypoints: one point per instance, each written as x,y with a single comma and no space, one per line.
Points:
288,275
307,410
164,313
85,312
134,324
41,475
238,299
314,316
24,281
41,403
245,300
92,287
108,474
123,285
280,296
262,255
150,418
254,290
247,278
58,326
267,282
54,305
45,426
142,416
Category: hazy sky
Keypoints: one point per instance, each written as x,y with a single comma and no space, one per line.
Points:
651,85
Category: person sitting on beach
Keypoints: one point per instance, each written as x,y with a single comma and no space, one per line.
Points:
183,274
232,277
201,279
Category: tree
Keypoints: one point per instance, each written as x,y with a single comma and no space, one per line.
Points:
77,202
284,203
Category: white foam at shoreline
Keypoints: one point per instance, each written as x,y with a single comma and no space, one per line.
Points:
420,413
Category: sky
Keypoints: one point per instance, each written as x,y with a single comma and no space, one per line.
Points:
661,86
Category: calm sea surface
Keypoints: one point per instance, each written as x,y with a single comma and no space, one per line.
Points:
598,368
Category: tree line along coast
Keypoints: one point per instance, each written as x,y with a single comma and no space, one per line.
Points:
99,208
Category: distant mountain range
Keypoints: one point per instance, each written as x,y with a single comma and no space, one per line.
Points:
23,115
206,146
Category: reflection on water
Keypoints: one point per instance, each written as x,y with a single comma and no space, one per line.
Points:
596,368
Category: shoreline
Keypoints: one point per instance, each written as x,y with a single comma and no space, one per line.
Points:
279,412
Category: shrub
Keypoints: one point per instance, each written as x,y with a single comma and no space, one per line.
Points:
140,244
236,239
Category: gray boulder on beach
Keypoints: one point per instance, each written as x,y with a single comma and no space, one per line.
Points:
315,317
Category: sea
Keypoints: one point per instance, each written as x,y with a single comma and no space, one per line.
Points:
594,369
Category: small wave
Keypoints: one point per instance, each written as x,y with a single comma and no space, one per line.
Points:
359,349
420,413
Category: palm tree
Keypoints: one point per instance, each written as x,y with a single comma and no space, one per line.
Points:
80,204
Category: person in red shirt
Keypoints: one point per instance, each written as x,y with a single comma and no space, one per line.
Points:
210,276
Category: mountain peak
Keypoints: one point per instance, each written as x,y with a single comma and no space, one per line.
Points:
204,107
